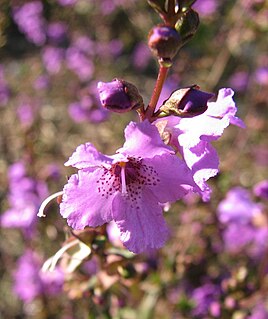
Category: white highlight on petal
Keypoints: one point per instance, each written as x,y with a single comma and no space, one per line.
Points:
46,201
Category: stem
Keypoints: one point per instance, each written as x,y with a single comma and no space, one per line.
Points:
162,74
171,7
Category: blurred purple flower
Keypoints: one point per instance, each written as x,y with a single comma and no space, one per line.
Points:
52,58
41,83
30,282
57,32
245,223
26,113
260,311
67,2
4,89
29,18
126,187
109,49
85,44
141,56
88,108
205,7
192,137
79,63
261,189
25,196
260,154
261,76
107,6
239,80
206,299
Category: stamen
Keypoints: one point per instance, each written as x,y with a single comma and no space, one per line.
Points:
123,178
46,201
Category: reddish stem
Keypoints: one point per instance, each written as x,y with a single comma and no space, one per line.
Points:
162,74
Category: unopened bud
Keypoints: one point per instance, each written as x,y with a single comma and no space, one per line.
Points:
186,102
187,25
164,42
119,96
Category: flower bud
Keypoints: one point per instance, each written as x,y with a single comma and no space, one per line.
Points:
164,42
186,102
187,25
119,96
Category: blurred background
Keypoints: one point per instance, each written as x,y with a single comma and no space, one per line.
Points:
52,55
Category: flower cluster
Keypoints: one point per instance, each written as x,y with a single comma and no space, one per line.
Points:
246,225
162,159
25,196
131,186
30,281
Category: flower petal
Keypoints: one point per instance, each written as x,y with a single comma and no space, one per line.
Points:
84,203
86,156
174,178
204,162
143,140
141,222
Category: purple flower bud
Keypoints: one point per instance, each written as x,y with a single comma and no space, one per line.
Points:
261,189
119,96
186,102
164,42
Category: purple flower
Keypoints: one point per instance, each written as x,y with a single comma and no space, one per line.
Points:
260,311
4,90
88,108
25,196
41,83
126,187
57,32
205,7
239,80
26,113
261,189
192,137
67,2
109,49
206,299
85,44
52,58
30,282
141,56
261,75
79,63
237,207
29,18
245,223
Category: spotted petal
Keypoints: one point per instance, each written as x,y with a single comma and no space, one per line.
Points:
141,222
173,177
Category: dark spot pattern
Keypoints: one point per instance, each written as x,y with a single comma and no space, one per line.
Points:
137,177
